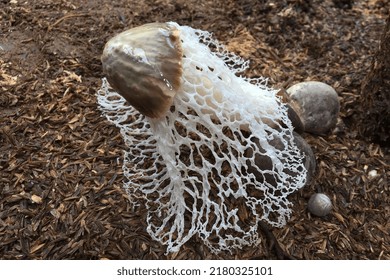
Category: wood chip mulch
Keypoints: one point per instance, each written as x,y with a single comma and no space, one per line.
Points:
61,178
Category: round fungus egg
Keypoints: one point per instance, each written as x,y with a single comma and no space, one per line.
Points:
317,105
319,204
195,129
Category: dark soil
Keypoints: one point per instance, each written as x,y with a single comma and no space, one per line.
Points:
61,176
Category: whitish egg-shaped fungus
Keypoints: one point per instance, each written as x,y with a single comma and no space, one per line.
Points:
319,204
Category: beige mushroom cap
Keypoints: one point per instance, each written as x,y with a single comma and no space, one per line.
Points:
143,64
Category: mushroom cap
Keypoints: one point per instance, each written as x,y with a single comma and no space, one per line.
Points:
143,64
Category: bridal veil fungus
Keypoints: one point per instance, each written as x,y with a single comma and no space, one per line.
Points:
195,131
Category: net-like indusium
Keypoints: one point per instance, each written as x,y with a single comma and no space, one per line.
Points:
222,159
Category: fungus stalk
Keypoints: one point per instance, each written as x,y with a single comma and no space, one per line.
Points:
195,132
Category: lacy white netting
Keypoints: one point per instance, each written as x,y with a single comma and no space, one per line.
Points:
221,160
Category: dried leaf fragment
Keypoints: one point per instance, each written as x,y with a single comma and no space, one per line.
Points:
36,199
